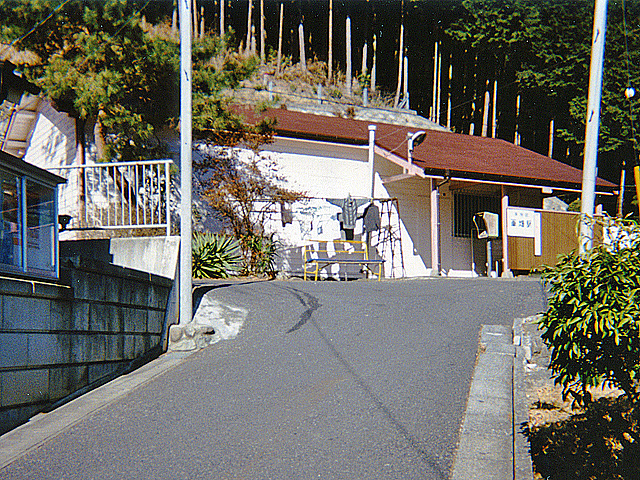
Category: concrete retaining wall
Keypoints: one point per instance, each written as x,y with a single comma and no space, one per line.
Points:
57,339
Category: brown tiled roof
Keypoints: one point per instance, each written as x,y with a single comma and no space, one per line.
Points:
463,156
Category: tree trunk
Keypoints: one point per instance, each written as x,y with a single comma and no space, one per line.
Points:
201,22
373,66
194,17
494,116
279,63
263,34
80,159
551,133
516,136
222,17
396,100
98,134
330,61
485,113
174,22
449,93
249,22
349,71
303,58
434,109
405,82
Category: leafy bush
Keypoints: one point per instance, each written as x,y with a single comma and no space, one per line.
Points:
592,325
260,255
214,256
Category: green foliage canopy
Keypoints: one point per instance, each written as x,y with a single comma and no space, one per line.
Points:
548,46
96,59
592,324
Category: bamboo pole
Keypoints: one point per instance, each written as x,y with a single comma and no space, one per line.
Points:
494,123
174,21
349,71
435,82
365,87
636,176
249,22
222,17
303,58
364,58
201,21
253,40
439,90
551,134
516,135
449,93
330,60
485,113
373,66
279,62
263,33
405,82
396,100
194,17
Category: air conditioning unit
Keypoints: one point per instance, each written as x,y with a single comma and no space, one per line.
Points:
487,224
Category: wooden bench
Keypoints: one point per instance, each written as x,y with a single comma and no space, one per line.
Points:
319,254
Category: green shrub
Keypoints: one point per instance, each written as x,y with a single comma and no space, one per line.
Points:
592,325
260,255
214,256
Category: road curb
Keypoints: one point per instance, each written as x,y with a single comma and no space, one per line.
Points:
522,464
44,426
486,447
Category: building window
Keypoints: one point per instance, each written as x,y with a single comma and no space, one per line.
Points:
11,233
28,238
465,206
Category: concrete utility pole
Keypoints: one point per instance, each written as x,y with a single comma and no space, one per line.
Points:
186,307
590,168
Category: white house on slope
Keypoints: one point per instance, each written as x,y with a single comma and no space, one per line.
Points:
427,198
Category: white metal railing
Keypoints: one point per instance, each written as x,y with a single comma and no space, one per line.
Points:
116,195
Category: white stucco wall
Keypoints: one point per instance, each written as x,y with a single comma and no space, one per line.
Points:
324,170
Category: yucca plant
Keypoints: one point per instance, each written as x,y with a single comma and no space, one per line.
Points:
214,256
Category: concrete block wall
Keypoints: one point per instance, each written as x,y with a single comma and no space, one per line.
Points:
57,339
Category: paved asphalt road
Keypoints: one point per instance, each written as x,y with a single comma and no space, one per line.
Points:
329,380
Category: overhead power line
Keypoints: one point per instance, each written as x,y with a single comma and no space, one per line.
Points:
35,27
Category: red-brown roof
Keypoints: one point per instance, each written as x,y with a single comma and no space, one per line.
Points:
465,156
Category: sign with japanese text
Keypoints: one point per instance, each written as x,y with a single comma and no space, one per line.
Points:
521,222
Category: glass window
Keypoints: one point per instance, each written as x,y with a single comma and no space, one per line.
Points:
465,206
28,231
41,225
11,232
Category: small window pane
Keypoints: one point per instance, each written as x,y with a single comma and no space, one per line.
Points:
40,227
10,232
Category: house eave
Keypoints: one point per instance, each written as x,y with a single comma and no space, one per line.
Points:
511,181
